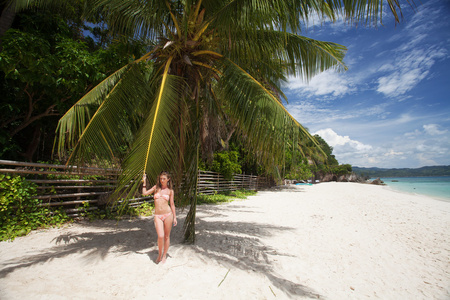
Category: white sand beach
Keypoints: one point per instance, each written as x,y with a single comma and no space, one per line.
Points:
326,241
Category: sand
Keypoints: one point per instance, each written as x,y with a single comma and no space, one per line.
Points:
326,241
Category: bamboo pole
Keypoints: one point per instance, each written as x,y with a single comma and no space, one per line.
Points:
29,164
71,195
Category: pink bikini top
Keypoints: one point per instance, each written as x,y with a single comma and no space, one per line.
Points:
159,195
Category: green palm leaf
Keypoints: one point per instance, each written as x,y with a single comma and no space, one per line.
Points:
75,120
297,54
258,112
132,17
213,59
117,103
156,144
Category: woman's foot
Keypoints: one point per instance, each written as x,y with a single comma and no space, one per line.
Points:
163,261
158,260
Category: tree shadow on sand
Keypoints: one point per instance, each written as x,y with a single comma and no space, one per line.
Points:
99,239
238,244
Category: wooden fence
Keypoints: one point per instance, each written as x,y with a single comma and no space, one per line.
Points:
76,190
212,182
84,189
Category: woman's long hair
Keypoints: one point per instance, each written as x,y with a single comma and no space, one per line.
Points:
158,182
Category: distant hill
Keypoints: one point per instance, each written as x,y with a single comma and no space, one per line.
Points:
405,172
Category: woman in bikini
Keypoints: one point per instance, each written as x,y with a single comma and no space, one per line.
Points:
164,215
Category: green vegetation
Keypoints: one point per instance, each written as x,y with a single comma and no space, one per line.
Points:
45,66
404,172
299,172
226,163
224,197
315,165
210,70
116,213
20,211
145,209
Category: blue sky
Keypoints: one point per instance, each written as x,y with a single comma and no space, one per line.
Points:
391,109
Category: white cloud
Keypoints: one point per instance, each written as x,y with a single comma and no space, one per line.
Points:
427,18
340,143
428,129
395,72
316,23
433,129
391,152
407,72
412,60
413,135
361,113
315,114
410,150
329,83
432,148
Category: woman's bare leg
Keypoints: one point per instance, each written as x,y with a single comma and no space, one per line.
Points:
159,226
168,222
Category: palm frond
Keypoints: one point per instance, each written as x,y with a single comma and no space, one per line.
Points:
117,104
132,17
290,16
260,91
297,54
74,121
20,5
261,116
156,145
367,11
230,58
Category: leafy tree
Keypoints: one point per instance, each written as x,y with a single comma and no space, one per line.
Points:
226,163
45,66
330,164
212,58
327,149
300,171
341,169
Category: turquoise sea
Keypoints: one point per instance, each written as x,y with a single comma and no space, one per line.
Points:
437,187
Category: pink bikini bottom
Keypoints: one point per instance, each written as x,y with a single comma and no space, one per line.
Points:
163,217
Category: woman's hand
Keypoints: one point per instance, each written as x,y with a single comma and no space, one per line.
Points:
175,222
144,185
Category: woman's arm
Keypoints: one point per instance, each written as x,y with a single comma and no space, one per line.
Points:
172,207
146,192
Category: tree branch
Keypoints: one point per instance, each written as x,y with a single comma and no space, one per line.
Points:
10,120
48,112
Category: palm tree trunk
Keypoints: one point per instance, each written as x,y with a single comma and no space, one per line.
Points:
189,231
189,223
6,20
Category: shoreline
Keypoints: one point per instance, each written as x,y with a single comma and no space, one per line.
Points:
440,192
326,241
436,198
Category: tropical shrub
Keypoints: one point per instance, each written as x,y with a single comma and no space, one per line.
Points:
227,163
341,169
299,172
20,211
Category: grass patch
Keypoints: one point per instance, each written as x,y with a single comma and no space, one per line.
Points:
224,197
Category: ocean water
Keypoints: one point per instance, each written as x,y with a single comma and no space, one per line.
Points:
437,187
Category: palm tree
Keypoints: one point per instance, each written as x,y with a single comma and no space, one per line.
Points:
208,59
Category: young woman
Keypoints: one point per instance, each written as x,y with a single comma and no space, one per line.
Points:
164,215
